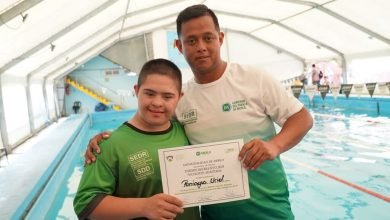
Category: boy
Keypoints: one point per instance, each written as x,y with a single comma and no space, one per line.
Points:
125,181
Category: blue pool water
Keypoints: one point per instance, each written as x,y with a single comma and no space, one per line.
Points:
351,147
353,150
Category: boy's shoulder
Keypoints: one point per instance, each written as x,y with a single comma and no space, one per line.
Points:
115,135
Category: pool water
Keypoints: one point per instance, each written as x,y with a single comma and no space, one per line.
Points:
340,170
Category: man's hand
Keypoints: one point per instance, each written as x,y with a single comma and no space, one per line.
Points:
256,152
162,206
93,146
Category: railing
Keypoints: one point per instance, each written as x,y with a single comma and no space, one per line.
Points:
92,93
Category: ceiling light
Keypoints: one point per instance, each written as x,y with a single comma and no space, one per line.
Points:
52,46
24,16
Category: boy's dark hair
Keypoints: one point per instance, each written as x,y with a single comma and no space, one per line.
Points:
192,12
161,67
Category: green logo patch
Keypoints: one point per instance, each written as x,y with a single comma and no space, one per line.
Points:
226,107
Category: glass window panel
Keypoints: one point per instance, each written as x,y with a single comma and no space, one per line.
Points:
15,112
50,99
38,107
362,70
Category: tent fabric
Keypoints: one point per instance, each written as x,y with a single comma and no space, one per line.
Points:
50,38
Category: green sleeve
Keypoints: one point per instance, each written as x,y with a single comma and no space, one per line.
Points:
98,179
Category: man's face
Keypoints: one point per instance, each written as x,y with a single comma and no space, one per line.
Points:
200,43
157,100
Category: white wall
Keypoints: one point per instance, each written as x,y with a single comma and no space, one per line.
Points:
116,88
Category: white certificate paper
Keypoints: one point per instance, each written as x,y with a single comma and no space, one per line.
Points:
204,174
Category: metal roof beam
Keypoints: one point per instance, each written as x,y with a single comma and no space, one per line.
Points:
52,38
126,15
270,45
271,21
17,10
74,60
341,18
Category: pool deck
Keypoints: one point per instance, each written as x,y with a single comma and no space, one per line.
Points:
25,172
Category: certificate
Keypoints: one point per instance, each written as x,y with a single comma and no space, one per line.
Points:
204,174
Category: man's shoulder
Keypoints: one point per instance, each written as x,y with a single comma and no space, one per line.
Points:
247,71
246,68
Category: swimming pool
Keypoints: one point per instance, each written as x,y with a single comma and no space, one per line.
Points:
339,171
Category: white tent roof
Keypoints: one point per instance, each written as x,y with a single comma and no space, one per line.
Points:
48,39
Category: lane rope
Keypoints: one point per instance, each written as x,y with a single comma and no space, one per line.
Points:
350,184
343,117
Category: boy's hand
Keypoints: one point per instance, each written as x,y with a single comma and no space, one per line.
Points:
93,146
162,206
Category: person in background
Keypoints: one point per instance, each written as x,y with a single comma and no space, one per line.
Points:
320,75
114,186
315,76
303,78
228,101
325,81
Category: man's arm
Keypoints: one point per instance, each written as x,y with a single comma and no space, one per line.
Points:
293,130
93,146
257,151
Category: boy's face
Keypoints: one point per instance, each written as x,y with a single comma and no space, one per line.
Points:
157,100
200,44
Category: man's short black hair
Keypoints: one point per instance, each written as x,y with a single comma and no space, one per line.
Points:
192,12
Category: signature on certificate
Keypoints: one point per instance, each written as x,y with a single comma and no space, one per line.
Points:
188,183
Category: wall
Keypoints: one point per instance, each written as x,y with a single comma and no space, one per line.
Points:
117,88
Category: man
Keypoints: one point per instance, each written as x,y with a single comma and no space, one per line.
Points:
227,101
315,76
